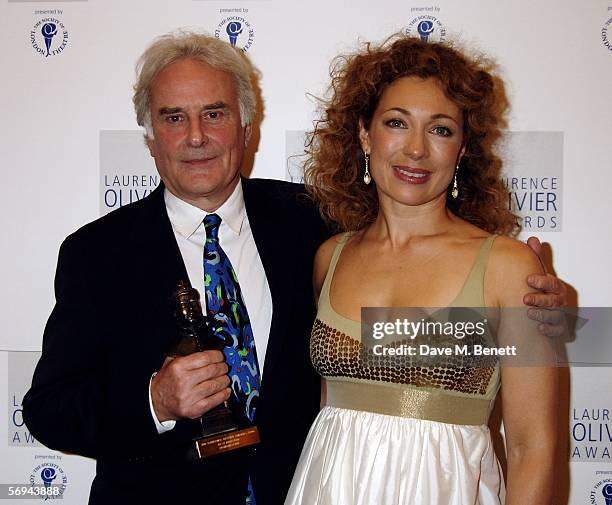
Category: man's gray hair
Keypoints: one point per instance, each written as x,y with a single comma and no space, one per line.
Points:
190,45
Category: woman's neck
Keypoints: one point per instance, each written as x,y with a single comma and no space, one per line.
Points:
398,224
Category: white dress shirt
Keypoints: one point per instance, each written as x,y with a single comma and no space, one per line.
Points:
236,239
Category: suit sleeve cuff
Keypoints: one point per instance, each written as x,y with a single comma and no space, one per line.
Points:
162,426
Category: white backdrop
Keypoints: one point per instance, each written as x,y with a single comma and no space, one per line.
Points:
72,151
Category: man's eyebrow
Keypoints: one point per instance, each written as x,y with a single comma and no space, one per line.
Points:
216,105
169,110
175,110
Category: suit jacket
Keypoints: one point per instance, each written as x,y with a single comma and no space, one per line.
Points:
112,325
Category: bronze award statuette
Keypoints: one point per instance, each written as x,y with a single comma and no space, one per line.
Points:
222,428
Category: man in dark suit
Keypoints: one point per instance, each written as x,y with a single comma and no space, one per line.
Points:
104,387
93,392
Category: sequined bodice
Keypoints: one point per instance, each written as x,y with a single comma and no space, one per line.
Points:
338,354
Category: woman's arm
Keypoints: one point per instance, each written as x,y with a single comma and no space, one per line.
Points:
529,393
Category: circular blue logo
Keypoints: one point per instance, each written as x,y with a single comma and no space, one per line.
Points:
48,481
427,27
238,30
49,37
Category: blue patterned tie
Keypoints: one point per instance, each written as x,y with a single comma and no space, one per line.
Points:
225,306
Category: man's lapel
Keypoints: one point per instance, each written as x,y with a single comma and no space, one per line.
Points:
161,257
267,225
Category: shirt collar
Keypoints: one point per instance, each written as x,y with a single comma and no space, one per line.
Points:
187,218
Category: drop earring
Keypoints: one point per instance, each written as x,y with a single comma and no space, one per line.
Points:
367,178
455,191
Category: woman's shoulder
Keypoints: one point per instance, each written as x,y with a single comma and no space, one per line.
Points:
510,253
510,263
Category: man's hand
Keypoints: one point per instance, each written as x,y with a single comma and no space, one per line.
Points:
551,293
189,386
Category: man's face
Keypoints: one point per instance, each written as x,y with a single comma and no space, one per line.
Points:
198,142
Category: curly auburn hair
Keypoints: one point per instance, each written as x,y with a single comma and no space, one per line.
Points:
334,164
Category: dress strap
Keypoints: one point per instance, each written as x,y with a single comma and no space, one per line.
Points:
472,292
324,296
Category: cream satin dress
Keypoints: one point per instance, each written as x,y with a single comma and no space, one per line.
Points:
399,435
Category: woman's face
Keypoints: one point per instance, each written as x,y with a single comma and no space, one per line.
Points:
415,141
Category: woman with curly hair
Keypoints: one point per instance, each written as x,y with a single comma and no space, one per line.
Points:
402,162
